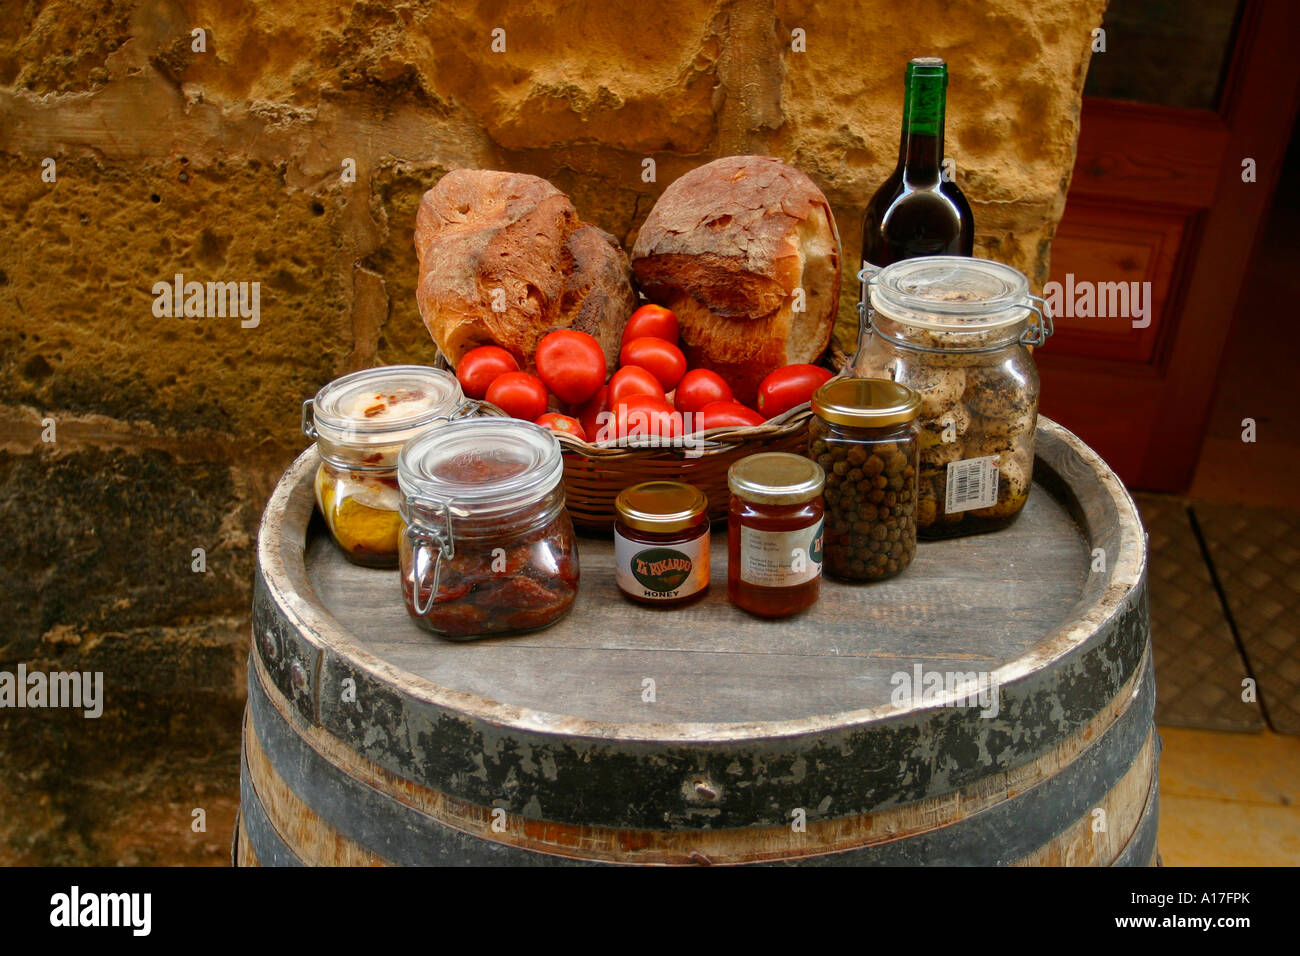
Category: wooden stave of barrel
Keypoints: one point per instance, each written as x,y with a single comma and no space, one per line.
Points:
1081,789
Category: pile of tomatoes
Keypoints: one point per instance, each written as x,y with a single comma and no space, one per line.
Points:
651,394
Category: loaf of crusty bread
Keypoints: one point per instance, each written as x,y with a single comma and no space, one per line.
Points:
505,258
726,247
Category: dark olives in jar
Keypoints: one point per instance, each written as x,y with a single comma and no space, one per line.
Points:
864,435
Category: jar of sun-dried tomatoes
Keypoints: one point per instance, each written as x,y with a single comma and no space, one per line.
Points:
774,533
487,546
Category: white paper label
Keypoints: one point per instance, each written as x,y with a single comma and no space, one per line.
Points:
972,483
780,559
661,572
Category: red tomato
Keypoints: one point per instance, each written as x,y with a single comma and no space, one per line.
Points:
633,381
562,423
720,414
588,413
651,320
698,388
646,415
519,395
571,364
480,367
661,359
787,387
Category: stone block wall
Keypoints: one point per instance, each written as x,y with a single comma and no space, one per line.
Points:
129,155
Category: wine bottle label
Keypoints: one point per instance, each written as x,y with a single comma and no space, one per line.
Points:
780,559
661,572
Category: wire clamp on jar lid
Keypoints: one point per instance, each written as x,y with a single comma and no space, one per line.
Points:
309,419
866,276
425,539
1042,330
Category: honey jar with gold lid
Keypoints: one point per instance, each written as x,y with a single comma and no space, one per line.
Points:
661,543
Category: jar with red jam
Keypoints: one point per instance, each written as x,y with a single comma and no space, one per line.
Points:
360,423
775,533
487,547
661,543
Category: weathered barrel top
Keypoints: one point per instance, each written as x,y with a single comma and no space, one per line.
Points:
1053,608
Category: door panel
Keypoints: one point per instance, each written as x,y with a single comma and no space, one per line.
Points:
1151,155
1158,196
1099,243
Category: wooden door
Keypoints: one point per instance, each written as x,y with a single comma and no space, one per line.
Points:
1162,194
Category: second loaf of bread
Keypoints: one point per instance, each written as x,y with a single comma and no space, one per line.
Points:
728,247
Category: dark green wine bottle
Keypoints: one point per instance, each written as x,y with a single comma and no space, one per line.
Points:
916,212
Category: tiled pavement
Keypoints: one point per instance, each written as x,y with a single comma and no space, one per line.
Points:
1225,601
1256,554
1225,613
1199,668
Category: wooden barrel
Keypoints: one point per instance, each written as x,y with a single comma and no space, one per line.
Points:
702,735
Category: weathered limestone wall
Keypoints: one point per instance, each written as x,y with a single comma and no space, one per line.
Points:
226,165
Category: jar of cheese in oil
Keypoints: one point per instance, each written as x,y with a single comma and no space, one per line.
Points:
360,422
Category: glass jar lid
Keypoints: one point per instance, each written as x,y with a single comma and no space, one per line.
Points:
661,506
381,406
952,293
479,466
866,402
776,478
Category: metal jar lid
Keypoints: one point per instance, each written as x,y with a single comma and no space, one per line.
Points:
661,506
776,478
866,402
381,406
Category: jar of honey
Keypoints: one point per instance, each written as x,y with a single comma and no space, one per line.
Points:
661,543
774,533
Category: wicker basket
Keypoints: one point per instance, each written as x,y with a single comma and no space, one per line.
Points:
595,474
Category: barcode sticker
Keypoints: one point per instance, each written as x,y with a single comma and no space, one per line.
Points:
972,483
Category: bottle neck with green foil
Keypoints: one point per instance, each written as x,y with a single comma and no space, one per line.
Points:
921,148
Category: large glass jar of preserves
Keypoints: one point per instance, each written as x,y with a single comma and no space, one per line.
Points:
360,422
487,546
959,332
864,435
774,533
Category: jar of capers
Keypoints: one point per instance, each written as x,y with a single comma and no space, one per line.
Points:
864,434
